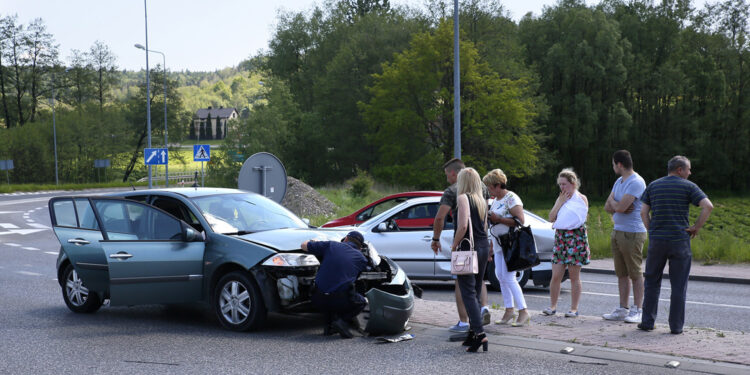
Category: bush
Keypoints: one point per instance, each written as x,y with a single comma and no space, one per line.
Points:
361,184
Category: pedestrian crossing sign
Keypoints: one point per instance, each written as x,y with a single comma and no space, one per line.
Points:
201,152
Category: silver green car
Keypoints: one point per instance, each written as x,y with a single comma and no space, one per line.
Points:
235,250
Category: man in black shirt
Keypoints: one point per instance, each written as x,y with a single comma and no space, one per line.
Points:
340,266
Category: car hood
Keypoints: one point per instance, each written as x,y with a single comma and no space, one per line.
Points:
289,239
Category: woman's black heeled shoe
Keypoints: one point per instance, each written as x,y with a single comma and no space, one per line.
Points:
479,340
469,339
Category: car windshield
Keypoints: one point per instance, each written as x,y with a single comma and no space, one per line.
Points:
245,213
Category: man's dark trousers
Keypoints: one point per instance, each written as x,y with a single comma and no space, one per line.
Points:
345,303
680,258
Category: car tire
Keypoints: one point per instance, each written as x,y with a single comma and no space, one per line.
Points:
77,296
523,277
238,303
491,277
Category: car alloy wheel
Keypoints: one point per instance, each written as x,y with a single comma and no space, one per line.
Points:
234,302
238,303
77,293
77,296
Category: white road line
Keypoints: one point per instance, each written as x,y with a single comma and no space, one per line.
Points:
27,273
30,221
50,252
30,248
13,244
8,226
662,300
606,283
40,226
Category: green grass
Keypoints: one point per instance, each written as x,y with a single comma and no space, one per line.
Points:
44,187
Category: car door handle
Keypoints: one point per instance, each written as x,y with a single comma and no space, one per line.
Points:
78,241
427,239
121,256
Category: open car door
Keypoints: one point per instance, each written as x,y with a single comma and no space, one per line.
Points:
153,257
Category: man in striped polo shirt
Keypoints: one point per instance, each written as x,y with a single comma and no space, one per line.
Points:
668,201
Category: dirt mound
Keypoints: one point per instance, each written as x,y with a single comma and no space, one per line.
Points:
304,201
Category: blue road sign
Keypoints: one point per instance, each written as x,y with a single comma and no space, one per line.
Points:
201,152
155,156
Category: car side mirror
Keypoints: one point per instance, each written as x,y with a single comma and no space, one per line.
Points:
191,235
383,227
306,221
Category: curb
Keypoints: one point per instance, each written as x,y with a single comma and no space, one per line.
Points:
714,279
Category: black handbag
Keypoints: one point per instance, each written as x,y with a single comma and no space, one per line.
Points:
519,248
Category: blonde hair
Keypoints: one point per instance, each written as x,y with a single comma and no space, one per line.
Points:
469,183
495,177
571,176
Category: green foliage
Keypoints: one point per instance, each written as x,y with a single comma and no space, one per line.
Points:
361,184
413,96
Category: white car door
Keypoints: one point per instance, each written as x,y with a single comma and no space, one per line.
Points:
409,246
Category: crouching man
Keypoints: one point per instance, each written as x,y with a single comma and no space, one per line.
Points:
334,294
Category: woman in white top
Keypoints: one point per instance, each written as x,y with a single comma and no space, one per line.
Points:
505,206
571,247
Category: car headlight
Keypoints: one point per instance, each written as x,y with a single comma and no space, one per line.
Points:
292,260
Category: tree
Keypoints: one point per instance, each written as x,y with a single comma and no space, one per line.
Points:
136,115
104,63
578,53
410,115
80,78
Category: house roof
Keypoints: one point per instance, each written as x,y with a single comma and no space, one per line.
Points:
215,112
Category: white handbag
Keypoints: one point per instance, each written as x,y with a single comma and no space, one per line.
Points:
464,262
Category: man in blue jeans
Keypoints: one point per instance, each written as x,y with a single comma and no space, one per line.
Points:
668,200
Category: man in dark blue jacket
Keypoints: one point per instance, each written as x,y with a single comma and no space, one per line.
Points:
340,266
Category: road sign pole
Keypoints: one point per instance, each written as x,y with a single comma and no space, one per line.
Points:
203,177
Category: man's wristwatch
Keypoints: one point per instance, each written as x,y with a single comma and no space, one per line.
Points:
435,240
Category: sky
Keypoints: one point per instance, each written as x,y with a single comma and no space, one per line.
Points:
194,35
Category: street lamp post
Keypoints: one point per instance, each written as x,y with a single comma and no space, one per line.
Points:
54,128
164,67
148,91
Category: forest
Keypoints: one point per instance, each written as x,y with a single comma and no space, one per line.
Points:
361,86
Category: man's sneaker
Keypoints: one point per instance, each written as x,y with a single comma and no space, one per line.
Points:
619,314
634,316
486,317
460,327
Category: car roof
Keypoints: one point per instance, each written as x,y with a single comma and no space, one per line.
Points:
190,192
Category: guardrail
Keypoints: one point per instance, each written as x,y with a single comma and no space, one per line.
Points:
183,178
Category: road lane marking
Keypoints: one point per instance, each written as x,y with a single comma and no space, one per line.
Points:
660,299
50,253
40,226
30,248
27,273
8,226
30,221
615,284
13,244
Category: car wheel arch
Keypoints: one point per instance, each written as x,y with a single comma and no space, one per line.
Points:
61,269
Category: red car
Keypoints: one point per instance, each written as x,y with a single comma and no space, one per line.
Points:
413,218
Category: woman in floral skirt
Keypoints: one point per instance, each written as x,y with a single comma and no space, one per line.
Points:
571,249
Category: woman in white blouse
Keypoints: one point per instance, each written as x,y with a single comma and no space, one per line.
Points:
571,249
505,206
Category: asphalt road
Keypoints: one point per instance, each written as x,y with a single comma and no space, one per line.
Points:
39,335
709,305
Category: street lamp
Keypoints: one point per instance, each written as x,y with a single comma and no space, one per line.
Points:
148,91
54,128
164,67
